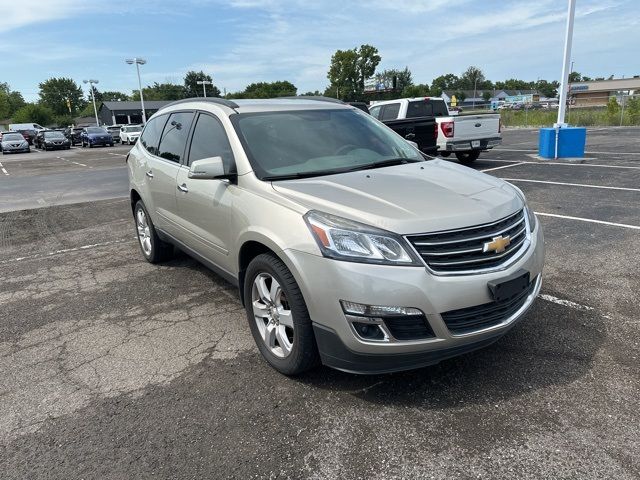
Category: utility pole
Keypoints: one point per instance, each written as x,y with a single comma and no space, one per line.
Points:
138,62
93,97
564,90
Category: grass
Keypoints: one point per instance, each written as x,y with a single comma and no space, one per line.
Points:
581,117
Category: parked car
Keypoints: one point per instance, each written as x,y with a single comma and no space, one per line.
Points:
52,140
114,130
464,135
129,134
347,247
73,134
25,126
94,136
421,128
28,135
13,142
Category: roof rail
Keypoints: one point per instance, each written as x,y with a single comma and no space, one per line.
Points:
219,101
317,98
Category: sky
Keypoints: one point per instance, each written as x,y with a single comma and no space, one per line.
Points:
238,42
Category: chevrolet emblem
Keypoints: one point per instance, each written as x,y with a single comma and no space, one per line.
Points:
497,245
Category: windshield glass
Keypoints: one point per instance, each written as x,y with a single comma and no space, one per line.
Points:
133,129
317,142
12,137
53,135
95,130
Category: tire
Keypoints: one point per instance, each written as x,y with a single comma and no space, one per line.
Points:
467,158
299,352
444,154
153,249
111,144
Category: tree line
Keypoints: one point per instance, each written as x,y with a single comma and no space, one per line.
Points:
62,99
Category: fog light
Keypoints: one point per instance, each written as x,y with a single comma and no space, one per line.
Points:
369,331
376,310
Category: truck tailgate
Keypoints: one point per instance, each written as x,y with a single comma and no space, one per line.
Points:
471,127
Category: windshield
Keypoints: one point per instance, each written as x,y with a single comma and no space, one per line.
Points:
133,129
95,130
12,137
318,142
53,135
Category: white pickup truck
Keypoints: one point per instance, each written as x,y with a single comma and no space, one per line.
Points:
464,135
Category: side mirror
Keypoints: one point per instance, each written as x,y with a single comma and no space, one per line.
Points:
207,169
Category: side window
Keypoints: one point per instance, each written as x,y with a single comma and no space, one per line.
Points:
210,140
174,136
150,138
391,111
375,112
419,109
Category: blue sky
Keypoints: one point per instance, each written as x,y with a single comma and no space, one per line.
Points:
241,41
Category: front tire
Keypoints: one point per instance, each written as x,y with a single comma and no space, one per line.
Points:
467,158
152,247
278,316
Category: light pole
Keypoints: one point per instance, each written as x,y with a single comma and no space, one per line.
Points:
475,82
204,84
93,97
138,62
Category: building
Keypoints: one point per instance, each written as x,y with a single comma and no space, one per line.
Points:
598,92
112,113
497,95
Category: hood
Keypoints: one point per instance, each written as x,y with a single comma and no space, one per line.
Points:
413,198
105,134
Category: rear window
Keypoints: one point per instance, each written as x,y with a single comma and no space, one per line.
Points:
427,108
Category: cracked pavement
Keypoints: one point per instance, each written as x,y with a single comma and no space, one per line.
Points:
113,368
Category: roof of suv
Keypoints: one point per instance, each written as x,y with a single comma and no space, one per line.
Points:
269,104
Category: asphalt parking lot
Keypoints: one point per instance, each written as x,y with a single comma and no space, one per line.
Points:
114,368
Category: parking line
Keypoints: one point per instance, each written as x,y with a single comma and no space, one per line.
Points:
118,154
589,220
563,302
627,167
504,166
626,189
71,161
64,250
586,151
4,170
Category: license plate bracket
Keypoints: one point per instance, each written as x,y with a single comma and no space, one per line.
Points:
505,288
475,143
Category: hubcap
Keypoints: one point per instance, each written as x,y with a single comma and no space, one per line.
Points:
272,315
144,234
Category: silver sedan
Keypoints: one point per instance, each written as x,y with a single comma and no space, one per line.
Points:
14,143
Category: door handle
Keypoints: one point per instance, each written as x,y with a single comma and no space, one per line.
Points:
410,136
183,188
149,174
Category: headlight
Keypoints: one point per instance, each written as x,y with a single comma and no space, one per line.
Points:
344,239
531,216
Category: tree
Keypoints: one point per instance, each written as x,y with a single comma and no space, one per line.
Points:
486,96
10,101
547,89
343,74
420,90
161,91
282,88
63,120
192,89
472,78
34,113
368,60
403,79
514,84
317,93
55,92
444,82
613,108
575,77
633,109
111,96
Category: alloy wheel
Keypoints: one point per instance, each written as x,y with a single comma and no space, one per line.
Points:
144,233
272,314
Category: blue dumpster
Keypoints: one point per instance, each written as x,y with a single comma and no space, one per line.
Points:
571,142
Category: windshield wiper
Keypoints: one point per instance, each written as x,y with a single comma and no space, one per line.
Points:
389,162
292,176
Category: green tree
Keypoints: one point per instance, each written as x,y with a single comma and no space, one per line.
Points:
343,74
111,96
633,109
368,60
161,91
55,92
486,96
575,77
514,84
10,101
192,89
317,93
420,90
35,113
444,82
403,79
613,108
473,77
281,88
547,89
63,120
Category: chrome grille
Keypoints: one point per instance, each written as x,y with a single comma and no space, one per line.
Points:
462,250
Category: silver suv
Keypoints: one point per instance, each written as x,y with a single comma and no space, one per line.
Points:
348,247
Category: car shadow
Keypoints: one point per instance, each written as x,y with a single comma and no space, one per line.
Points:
554,345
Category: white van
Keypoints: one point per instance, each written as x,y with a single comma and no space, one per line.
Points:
25,126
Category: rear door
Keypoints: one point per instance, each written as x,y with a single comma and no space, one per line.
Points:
204,206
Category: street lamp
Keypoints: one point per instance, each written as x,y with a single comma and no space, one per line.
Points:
93,97
204,84
138,62
475,82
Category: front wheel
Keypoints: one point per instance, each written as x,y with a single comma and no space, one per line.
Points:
467,158
151,246
278,316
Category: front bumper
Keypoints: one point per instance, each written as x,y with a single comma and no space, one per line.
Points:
15,149
62,146
466,145
324,282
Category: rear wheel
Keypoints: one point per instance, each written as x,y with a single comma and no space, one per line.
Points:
467,158
278,316
151,246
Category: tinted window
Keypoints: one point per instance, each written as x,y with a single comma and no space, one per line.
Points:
210,140
150,138
375,112
390,112
174,136
427,108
